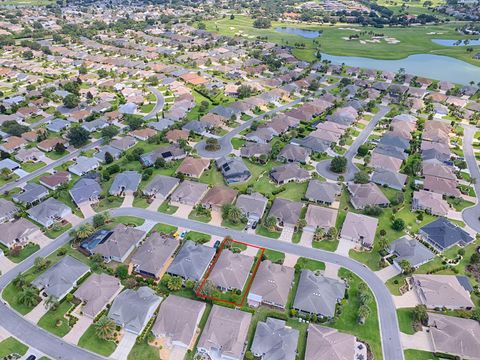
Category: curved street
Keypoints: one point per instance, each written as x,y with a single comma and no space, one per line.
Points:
323,167
57,348
159,104
471,215
225,141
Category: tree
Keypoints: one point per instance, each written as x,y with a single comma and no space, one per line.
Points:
338,164
201,26
406,267
27,55
262,23
59,148
174,283
398,224
121,272
362,150
319,234
78,136
71,101
28,297
51,303
363,314
420,314
6,173
134,122
13,128
361,177
40,263
105,328
232,214
212,144
270,223
332,233
98,220
84,231
109,132
108,158
244,91
19,281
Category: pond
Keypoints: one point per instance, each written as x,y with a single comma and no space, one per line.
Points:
425,65
464,42
309,34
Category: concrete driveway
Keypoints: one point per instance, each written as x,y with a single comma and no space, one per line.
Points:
183,210
155,204
146,226
124,346
331,270
128,200
78,329
307,238
40,239
87,210
407,300
344,247
387,273
420,341
290,260
287,234
73,219
6,264
216,218
37,312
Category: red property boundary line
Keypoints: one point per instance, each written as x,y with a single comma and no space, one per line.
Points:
212,265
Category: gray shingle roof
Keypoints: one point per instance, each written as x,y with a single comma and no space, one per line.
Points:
125,181
85,190
192,261
274,340
161,186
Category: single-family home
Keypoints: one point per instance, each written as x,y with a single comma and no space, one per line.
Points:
85,190
192,261
17,233
233,169
120,244
406,248
49,212
360,229
286,212
31,194
193,167
218,196
231,270
432,203
55,180
84,165
325,343
253,207
161,186
189,192
125,183
443,234
362,195
289,172
274,340
322,192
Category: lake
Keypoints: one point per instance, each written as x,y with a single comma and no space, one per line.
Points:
309,34
464,42
426,65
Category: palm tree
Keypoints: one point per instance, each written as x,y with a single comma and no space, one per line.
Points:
19,281
105,328
175,283
363,313
28,297
270,223
51,303
84,231
235,215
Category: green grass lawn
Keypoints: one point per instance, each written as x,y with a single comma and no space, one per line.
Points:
140,202
411,354
212,177
50,319
263,231
92,342
405,320
198,237
164,228
274,256
237,143
128,220
240,226
459,204
26,251
328,245
313,265
143,351
12,346
108,202
166,208
412,40
202,216
30,166
53,233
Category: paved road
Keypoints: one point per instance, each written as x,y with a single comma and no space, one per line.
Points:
57,348
34,174
323,167
471,215
225,141
45,120
158,106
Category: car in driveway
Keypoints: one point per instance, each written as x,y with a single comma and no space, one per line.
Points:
31,357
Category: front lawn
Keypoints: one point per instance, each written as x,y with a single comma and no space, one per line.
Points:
198,237
274,256
108,202
143,351
411,354
54,321
24,253
92,342
128,220
56,230
30,166
212,177
263,231
12,346
405,320
328,245
313,265
166,208
240,226
164,228
200,214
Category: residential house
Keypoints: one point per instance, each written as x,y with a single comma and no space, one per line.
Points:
61,278
143,134
125,183
362,195
275,340
443,291
58,125
123,143
154,255
286,212
114,152
360,229
320,217
441,186
218,196
289,172
17,233
161,186
120,244
411,250
394,180
192,261
48,145
32,154
443,234
294,153
322,192
325,343
167,153
454,336
253,207
55,180
48,212
432,203
31,194
231,270
271,285
256,150
132,309
318,295
85,190
189,192
233,169
177,322
225,334
193,167
96,293
84,165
